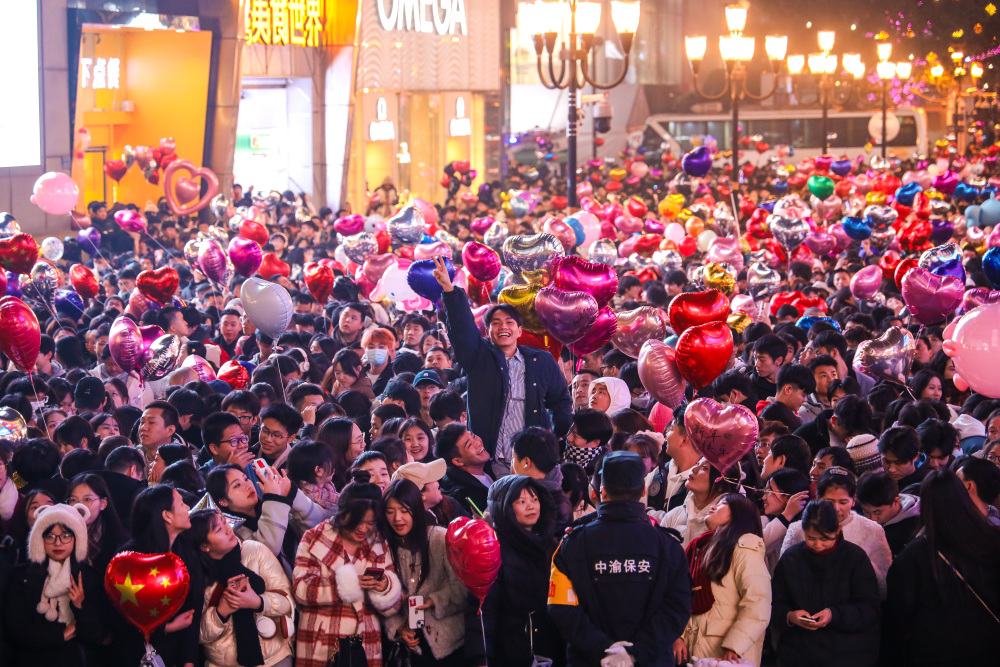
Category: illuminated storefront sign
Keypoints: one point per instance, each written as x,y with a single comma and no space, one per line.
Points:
381,129
461,124
100,73
444,17
284,22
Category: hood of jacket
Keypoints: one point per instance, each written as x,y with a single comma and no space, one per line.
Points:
909,507
502,495
621,397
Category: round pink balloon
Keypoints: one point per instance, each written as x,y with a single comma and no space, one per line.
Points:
125,341
974,346
629,224
349,225
55,193
481,261
865,283
246,255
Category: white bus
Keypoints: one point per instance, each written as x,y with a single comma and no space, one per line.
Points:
799,128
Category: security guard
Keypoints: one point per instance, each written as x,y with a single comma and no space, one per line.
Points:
620,590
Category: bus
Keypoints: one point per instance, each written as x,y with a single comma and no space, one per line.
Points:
800,129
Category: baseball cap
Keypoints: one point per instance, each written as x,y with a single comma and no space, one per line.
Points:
422,473
89,393
427,376
623,470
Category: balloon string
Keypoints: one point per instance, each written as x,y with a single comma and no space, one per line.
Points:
482,626
746,487
45,424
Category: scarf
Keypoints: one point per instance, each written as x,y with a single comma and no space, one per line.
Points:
55,603
584,456
325,496
703,598
248,652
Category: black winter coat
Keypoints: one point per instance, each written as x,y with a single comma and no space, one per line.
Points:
842,581
924,628
545,388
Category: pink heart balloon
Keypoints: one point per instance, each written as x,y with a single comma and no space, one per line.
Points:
212,260
246,255
186,189
993,240
637,326
602,331
578,275
201,367
125,341
723,434
820,243
655,227
584,189
481,261
931,298
560,230
130,221
480,226
978,296
567,315
171,182
743,302
428,250
349,225
658,373
866,282
628,224
726,250
374,267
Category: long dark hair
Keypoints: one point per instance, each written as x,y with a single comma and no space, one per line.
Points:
743,518
202,523
355,500
954,527
336,434
108,529
406,493
149,533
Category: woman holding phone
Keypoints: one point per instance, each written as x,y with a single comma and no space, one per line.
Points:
825,601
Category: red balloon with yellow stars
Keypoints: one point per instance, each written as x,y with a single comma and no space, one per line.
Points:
234,374
147,589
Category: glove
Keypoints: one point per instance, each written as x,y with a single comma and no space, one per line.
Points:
617,656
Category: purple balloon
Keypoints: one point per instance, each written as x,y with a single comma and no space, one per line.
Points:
697,162
212,260
567,315
655,227
946,182
89,239
13,286
820,243
245,255
941,230
840,236
68,303
125,341
944,260
348,225
865,283
147,336
931,298
420,277
841,167
979,296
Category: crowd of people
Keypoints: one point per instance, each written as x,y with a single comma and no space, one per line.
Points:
310,505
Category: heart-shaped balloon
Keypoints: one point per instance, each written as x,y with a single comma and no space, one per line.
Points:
420,277
697,162
319,281
637,326
856,228
131,221
360,247
83,281
690,309
566,314
474,554
349,225
20,335
703,352
821,243
562,231
659,374
945,260
723,433
480,226
89,239
406,228
575,274
115,169
245,255
821,186
271,266
901,269
160,359
212,260
629,224
880,218
267,304
931,298
433,249
18,253
255,231
68,303
841,167
522,297
978,296
866,282
888,357
790,232
125,341
762,281
496,235
160,284
481,261
991,266
147,589
171,182
598,336
721,277
234,374
375,267
805,323
530,252
725,250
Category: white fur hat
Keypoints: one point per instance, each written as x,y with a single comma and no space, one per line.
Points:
74,518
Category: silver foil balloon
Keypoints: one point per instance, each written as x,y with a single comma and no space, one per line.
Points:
880,218
450,240
530,252
496,235
603,251
887,357
220,206
162,357
637,262
360,247
762,281
941,208
790,232
696,274
406,227
191,250
881,241
667,261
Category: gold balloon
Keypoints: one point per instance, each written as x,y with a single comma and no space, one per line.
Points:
541,277
738,321
744,246
934,194
694,226
522,297
717,277
671,205
618,174
879,198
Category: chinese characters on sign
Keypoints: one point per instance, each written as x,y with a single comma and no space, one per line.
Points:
625,566
291,22
100,73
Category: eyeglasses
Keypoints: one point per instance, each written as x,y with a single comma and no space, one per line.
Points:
271,434
244,419
241,441
61,538
86,501
993,458
762,446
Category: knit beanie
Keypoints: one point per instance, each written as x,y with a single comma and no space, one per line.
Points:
864,452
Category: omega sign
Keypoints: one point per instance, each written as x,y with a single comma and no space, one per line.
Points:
444,17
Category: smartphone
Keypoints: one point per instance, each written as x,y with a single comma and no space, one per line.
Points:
260,465
810,619
375,572
416,619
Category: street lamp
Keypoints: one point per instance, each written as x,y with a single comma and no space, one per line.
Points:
887,71
737,52
824,66
573,56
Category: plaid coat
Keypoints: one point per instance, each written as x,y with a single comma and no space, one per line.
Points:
331,602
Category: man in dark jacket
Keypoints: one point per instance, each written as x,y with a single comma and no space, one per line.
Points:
620,585
510,386
467,479
536,454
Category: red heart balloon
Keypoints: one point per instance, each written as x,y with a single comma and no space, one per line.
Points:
747,207
762,146
902,268
474,554
844,188
83,281
914,233
147,589
115,169
636,207
797,180
802,304
253,230
166,159
648,244
385,242
887,183
559,202
693,308
703,352
541,341
782,298
757,224
479,294
153,177
20,335
18,253
888,263
644,274
271,266
319,280
234,374
160,284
